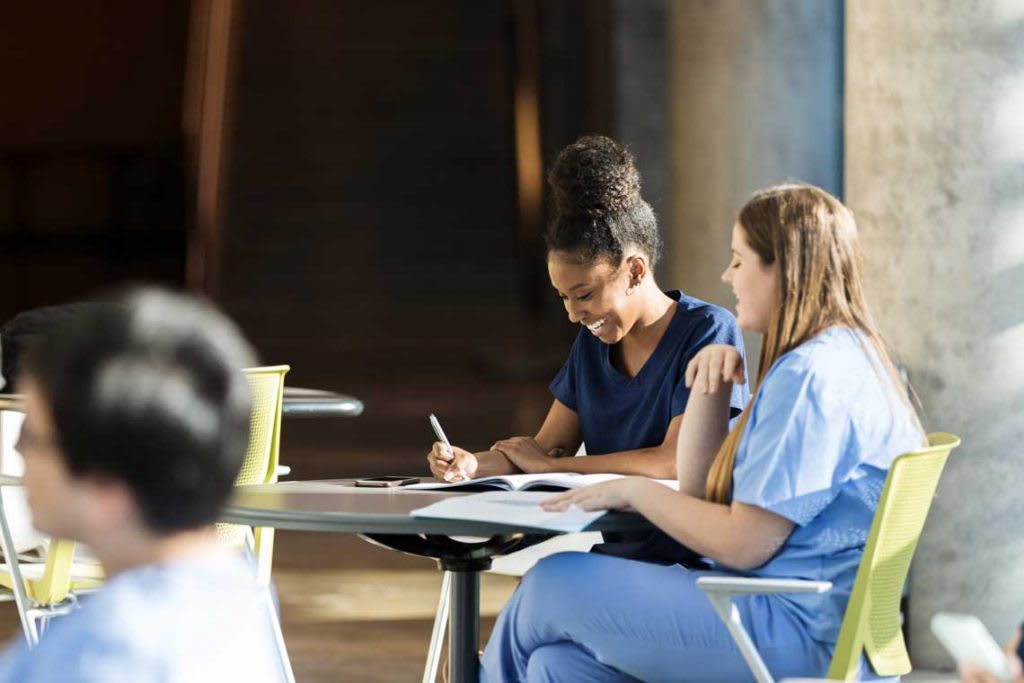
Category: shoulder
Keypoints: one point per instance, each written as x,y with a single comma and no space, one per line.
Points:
698,309
706,320
136,625
839,356
95,643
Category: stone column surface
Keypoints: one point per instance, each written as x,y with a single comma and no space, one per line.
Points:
640,100
934,172
755,99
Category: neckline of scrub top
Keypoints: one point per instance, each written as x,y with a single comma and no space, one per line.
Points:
656,355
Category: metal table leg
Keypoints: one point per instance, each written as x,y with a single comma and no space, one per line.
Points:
464,561
464,627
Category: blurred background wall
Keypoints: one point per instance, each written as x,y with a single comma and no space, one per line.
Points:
756,99
92,183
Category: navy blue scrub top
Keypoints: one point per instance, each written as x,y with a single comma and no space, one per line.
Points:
620,413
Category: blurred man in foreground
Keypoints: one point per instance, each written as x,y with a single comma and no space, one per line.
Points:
137,420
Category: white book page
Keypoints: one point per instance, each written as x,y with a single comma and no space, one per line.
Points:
517,508
519,482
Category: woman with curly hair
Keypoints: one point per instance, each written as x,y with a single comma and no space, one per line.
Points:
622,391
790,494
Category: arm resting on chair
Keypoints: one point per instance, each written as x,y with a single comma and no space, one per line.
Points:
739,585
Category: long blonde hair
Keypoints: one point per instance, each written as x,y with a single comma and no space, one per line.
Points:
812,237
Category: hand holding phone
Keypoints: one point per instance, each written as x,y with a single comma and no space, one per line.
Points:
970,643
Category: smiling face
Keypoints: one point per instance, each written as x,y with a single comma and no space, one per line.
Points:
594,295
754,283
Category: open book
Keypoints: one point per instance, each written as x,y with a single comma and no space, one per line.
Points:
555,481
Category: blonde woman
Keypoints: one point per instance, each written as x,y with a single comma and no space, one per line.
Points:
790,493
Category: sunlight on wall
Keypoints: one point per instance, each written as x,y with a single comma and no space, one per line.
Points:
1007,133
1010,376
1007,11
1008,238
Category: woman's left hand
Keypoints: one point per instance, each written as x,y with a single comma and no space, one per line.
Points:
610,495
526,454
713,366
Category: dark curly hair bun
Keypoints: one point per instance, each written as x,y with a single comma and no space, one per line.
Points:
599,212
595,176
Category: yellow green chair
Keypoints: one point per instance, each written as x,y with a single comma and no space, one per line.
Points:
42,590
871,624
262,460
51,587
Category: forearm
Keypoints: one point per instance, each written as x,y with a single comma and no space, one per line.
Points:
492,464
655,463
560,432
710,529
704,428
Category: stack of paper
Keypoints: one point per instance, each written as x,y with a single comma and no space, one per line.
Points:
516,508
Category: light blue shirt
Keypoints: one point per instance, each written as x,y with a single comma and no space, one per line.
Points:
827,423
195,620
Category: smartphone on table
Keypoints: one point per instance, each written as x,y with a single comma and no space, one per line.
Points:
387,481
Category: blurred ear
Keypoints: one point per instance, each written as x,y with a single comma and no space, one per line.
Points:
111,503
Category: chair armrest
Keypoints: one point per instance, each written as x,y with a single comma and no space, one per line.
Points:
741,585
721,590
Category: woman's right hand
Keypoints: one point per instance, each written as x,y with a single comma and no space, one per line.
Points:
451,467
975,674
713,365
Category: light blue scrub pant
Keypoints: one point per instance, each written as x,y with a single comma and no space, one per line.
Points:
591,617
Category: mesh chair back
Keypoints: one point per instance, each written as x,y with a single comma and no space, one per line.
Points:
259,466
872,620
261,458
267,386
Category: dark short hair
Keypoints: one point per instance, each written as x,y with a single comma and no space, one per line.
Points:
599,212
147,389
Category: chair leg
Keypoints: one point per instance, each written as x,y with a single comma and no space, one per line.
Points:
44,623
250,551
440,627
731,616
21,599
275,623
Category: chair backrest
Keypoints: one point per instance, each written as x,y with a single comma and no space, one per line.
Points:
872,621
261,458
259,466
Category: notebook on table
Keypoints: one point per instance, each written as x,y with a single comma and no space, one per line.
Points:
515,499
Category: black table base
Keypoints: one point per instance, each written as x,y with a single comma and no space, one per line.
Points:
465,561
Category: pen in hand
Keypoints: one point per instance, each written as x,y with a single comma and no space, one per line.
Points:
449,473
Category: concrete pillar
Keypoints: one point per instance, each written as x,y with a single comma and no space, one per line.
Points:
755,98
935,175
639,57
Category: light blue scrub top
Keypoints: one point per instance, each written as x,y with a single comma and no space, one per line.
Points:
826,425
190,621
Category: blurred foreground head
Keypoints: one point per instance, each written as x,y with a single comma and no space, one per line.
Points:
136,410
